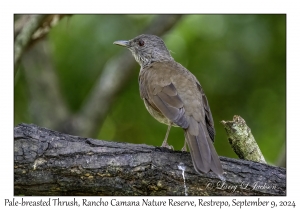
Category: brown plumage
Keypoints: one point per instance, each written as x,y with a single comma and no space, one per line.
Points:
174,96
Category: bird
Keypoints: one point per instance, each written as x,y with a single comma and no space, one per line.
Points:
174,96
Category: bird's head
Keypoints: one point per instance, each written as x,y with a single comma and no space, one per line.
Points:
147,49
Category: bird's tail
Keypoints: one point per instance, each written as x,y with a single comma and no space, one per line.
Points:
204,155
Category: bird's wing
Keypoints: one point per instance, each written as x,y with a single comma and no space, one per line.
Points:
208,116
170,105
159,92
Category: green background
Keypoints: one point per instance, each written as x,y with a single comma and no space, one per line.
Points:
240,61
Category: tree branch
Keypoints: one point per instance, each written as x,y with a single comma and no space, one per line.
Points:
242,141
51,163
28,29
24,37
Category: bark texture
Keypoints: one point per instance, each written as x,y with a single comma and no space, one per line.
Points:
49,163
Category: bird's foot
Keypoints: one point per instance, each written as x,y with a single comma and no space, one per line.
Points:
166,145
184,148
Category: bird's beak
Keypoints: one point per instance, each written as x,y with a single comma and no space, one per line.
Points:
122,43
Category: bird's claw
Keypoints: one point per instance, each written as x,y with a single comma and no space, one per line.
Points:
166,145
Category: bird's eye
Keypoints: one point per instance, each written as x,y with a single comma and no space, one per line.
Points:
141,43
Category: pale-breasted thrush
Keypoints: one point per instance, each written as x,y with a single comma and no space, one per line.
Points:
174,96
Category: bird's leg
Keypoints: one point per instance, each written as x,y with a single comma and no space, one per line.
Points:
165,143
184,146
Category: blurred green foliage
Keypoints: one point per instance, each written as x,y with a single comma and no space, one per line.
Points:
240,61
